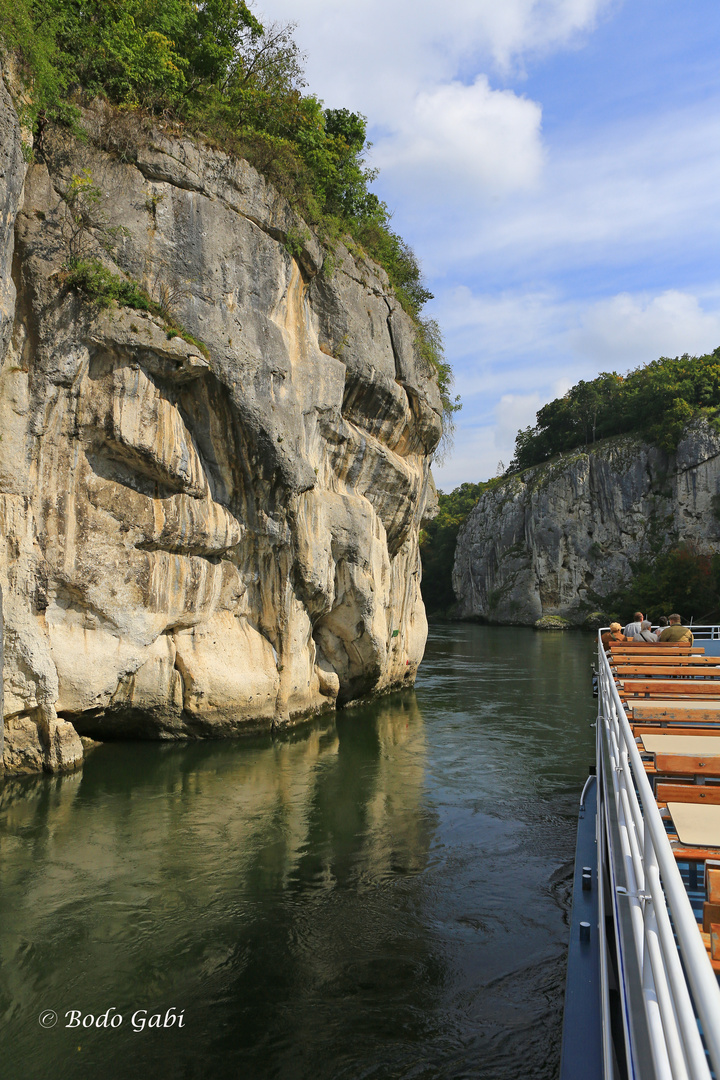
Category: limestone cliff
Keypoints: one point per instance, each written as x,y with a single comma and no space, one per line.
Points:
543,542
191,545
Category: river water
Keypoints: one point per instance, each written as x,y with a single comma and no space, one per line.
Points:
384,894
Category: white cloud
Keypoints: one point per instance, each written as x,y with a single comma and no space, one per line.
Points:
362,53
412,69
508,322
484,449
475,457
627,330
463,136
517,351
526,341
514,411
521,26
622,193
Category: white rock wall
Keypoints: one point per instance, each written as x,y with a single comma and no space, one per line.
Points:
541,543
189,546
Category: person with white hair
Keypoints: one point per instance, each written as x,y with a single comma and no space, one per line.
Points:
646,633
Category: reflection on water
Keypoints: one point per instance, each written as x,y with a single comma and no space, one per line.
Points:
382,895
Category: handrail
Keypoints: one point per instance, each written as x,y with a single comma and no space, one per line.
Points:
677,1046
700,631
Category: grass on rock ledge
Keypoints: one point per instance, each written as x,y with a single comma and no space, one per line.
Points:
103,288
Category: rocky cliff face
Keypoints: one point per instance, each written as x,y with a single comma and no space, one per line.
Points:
543,542
196,546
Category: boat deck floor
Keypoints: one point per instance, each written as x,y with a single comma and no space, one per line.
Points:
672,700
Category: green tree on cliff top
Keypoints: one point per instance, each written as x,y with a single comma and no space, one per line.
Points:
656,401
215,69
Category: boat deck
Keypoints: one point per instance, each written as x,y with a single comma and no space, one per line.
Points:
671,696
656,870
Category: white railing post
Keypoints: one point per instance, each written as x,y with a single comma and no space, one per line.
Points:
654,957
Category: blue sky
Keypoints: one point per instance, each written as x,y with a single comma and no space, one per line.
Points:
555,164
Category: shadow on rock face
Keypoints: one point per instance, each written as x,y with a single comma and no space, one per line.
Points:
197,547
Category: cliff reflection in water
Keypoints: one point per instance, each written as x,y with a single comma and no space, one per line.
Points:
382,897
256,886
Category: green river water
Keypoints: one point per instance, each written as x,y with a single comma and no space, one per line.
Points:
382,894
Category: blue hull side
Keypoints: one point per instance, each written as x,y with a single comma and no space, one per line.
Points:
582,1042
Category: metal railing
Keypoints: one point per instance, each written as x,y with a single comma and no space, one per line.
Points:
678,988
705,632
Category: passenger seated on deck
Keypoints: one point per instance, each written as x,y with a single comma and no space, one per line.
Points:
676,632
646,633
633,628
613,634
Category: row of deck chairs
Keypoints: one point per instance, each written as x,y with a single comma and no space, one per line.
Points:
671,695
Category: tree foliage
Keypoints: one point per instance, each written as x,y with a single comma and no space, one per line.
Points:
214,68
656,401
681,579
437,545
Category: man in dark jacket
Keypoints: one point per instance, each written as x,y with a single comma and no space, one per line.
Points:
676,632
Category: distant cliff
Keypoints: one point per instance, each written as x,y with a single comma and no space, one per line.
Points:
552,539
209,509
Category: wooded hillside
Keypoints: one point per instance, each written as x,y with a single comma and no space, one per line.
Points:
655,401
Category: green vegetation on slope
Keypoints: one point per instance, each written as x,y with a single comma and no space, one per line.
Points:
437,545
679,580
214,69
103,288
655,401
